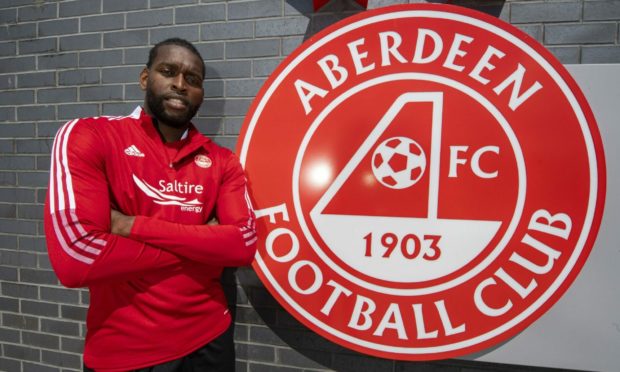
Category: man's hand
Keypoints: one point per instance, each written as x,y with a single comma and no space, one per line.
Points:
121,224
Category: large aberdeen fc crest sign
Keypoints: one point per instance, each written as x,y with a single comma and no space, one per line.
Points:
428,181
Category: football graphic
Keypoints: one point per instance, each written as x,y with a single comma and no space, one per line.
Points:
398,162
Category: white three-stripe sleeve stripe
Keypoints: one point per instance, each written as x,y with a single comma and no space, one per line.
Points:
249,233
65,164
55,176
58,202
62,166
53,166
82,246
250,208
83,232
72,205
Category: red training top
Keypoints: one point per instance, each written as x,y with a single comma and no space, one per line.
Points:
155,296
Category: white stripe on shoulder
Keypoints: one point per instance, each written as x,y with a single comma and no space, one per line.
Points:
65,164
57,168
135,114
61,172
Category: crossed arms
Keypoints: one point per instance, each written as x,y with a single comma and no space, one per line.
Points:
86,247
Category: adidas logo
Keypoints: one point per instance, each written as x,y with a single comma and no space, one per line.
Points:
133,151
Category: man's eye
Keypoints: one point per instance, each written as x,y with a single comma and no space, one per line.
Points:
193,80
167,72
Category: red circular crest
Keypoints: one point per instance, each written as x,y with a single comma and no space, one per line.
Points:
428,181
203,161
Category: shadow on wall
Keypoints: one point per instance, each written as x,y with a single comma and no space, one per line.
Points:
211,117
282,330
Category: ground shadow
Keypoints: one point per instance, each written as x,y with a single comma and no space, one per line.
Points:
323,353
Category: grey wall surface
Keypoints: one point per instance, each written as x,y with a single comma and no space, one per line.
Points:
65,59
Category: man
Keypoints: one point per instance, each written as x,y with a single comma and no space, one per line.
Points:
126,216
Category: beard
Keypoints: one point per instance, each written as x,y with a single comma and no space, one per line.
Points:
155,105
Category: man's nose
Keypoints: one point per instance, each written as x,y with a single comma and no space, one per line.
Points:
178,82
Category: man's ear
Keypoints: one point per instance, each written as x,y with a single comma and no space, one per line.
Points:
144,76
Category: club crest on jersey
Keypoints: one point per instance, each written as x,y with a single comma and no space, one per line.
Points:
163,196
203,161
437,184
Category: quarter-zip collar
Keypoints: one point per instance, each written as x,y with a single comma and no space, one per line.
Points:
192,137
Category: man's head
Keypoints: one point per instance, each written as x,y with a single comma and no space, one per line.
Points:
172,81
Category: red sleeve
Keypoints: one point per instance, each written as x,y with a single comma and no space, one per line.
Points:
231,243
77,216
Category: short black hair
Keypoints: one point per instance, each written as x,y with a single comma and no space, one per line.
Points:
178,42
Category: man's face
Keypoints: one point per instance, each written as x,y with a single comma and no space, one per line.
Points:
173,86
